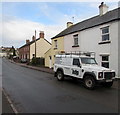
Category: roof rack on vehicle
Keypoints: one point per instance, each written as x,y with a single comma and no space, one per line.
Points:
79,53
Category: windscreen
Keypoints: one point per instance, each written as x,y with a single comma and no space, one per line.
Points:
88,61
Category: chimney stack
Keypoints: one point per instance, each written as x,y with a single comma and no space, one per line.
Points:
33,38
27,41
103,8
69,24
41,34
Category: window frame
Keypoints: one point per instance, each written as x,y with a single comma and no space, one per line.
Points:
75,37
104,34
105,61
55,44
78,65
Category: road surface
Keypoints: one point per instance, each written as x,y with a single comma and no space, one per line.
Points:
34,91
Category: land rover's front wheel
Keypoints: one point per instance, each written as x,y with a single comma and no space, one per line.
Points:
89,82
60,76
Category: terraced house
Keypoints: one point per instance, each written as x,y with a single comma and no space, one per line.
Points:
27,51
24,51
97,34
42,45
57,45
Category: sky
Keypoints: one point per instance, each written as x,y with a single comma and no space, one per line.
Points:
21,19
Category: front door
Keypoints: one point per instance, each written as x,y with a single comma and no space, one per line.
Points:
76,68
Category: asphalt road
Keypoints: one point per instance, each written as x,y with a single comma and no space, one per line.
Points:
6,108
33,91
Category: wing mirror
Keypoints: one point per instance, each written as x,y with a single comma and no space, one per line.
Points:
79,65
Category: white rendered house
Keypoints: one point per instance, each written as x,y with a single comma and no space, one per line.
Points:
99,34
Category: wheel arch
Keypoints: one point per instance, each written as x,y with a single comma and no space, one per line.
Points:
89,74
58,69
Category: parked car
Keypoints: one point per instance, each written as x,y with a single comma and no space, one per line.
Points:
23,60
83,67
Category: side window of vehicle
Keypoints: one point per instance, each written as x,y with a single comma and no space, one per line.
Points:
76,62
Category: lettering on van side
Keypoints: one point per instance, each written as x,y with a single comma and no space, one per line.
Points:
75,72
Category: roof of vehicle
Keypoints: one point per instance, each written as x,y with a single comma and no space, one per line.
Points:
72,56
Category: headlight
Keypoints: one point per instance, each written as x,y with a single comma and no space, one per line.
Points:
100,75
113,74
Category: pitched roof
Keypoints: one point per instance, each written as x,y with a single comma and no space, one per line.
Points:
29,43
33,42
47,41
92,22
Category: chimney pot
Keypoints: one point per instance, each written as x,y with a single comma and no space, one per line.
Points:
102,3
103,8
27,41
41,34
33,38
69,24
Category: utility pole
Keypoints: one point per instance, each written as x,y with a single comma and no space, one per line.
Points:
35,43
73,19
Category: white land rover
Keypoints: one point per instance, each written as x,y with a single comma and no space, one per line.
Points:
83,67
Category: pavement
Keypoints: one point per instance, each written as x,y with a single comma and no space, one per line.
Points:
43,69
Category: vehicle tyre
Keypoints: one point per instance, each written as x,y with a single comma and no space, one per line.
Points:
89,82
108,84
60,76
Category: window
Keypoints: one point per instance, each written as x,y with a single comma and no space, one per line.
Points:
105,61
105,33
50,57
88,61
75,39
56,45
76,62
25,56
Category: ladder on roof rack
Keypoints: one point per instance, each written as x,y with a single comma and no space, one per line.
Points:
79,53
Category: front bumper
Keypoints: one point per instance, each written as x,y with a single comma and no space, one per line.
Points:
105,80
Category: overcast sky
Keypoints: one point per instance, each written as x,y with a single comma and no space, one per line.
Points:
21,19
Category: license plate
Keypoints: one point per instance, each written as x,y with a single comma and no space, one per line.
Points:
108,80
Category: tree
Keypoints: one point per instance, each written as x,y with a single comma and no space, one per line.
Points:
13,49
